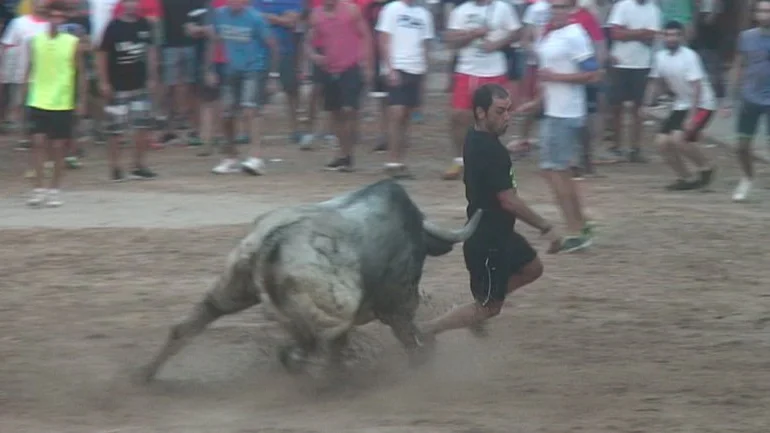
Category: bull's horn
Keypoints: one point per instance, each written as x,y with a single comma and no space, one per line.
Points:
454,236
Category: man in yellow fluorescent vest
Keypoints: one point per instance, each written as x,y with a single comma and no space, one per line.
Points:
55,61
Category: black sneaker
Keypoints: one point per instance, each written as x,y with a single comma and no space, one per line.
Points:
344,164
706,177
635,155
382,145
683,185
117,175
143,173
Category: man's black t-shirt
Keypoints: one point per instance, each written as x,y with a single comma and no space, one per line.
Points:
175,16
488,171
126,44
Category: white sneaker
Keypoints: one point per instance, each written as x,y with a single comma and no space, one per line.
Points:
227,166
38,197
742,190
53,199
253,166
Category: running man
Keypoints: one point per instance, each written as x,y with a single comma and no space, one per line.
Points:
479,29
343,37
247,39
127,63
752,89
404,31
55,62
567,63
682,71
499,260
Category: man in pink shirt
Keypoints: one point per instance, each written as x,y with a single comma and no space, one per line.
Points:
339,44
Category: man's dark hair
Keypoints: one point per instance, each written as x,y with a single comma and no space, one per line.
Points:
675,25
485,95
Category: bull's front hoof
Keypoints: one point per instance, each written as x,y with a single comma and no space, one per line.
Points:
423,353
292,358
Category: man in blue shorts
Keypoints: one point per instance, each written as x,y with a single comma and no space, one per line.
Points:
247,42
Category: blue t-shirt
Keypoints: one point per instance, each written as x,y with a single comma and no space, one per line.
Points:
284,35
244,35
755,45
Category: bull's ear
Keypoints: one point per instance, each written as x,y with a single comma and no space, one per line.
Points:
436,247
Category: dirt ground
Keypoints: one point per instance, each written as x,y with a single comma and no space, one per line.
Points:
661,327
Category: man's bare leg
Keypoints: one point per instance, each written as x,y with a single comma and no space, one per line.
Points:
474,313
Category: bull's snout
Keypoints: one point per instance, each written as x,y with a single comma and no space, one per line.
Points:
454,236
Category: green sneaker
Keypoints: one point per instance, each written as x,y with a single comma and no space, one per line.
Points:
193,139
588,229
72,162
575,243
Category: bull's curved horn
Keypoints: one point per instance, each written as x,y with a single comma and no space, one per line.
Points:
454,236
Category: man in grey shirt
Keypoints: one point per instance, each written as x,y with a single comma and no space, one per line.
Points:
752,90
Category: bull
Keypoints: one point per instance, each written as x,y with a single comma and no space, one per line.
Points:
327,268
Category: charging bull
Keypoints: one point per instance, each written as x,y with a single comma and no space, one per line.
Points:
326,268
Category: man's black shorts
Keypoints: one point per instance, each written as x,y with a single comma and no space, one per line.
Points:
408,92
343,90
490,264
56,125
676,122
627,85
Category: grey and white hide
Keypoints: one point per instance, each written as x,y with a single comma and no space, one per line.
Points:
326,268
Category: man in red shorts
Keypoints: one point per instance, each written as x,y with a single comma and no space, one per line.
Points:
479,30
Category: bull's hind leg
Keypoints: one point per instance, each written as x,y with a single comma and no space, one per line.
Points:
211,308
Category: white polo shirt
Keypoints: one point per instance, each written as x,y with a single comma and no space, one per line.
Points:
679,70
562,50
500,18
409,27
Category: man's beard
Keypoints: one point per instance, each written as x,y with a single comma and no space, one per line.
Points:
673,47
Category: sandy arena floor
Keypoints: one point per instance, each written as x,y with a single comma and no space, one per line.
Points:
661,327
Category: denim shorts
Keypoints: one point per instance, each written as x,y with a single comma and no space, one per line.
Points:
179,65
559,141
242,89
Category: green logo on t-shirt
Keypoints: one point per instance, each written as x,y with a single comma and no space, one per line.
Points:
513,178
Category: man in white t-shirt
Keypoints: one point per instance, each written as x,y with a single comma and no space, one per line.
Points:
478,30
566,63
15,59
634,25
404,31
681,69
535,18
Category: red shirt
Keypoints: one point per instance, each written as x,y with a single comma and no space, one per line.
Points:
587,20
147,9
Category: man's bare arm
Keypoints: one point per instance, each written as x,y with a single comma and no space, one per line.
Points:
513,204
